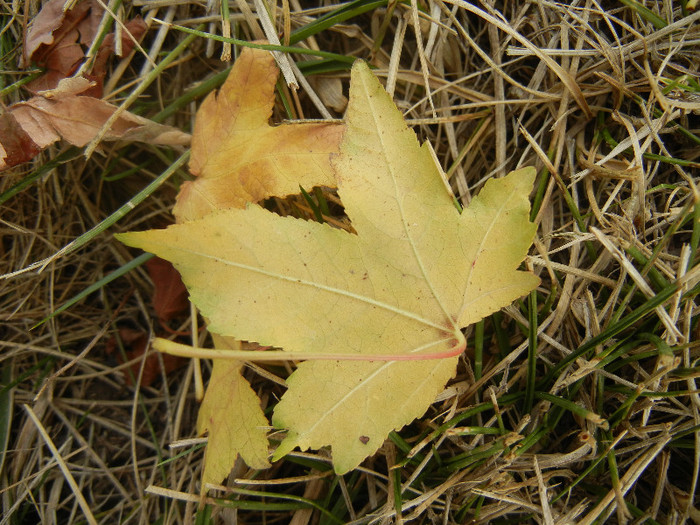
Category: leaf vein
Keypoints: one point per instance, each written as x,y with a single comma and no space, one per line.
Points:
320,286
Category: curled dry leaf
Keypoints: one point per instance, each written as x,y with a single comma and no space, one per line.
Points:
380,312
47,29
57,40
16,146
62,113
238,157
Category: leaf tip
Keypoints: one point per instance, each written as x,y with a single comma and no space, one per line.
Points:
285,447
359,65
526,175
123,238
132,239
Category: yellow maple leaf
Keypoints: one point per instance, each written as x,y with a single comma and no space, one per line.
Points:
395,296
239,158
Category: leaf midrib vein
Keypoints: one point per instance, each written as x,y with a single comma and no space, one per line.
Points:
320,286
373,113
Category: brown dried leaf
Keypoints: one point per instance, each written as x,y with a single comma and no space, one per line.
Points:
170,297
63,114
135,29
16,146
56,40
44,29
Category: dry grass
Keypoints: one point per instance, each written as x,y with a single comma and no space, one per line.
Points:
600,425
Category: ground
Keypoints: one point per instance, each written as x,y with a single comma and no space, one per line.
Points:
576,404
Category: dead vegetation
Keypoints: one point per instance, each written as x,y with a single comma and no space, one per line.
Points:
578,404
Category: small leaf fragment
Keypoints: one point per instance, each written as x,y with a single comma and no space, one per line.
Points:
16,145
231,414
170,298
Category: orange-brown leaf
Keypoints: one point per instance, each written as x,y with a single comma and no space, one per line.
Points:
16,145
50,27
238,157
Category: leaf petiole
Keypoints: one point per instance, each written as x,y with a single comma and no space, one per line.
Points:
179,349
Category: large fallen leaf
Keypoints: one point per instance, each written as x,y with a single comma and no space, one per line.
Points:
239,158
63,113
231,414
402,288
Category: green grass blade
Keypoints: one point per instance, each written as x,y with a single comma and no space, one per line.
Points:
531,352
268,47
134,263
112,219
646,14
612,331
574,408
343,13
